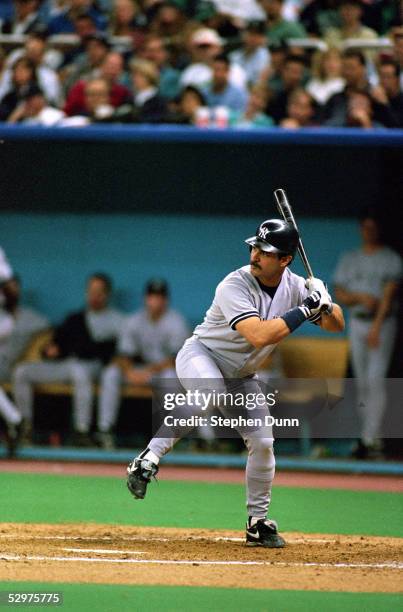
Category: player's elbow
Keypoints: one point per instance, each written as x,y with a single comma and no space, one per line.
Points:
261,338
259,343
254,337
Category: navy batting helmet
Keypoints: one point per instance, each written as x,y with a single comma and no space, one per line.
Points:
275,236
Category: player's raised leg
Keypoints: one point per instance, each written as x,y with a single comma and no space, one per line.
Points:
195,368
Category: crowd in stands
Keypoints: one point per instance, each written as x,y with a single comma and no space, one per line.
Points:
242,63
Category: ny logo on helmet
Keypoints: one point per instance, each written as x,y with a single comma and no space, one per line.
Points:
263,231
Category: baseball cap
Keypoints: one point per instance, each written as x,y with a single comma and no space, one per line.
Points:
206,36
157,285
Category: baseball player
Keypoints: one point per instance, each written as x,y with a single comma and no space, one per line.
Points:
8,411
254,308
366,282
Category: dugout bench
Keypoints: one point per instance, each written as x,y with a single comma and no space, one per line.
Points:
302,357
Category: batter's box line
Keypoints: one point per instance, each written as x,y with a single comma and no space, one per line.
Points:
290,540
386,565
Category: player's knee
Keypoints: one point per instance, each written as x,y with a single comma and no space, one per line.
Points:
21,373
111,374
261,445
80,375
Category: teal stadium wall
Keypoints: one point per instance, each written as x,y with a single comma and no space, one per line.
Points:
54,253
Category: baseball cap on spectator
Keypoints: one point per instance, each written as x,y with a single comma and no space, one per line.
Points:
157,285
206,36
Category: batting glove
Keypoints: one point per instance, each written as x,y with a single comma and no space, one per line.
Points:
315,303
316,284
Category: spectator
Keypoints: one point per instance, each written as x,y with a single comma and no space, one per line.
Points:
220,92
292,77
320,15
64,22
205,45
397,35
211,15
388,95
154,50
80,347
25,20
149,106
110,71
366,280
168,22
351,26
23,75
254,115
3,62
359,112
271,74
147,348
125,22
355,75
96,104
35,50
35,110
85,65
188,106
300,110
279,30
326,73
85,27
253,56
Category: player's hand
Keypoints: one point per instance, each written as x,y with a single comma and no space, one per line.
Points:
315,303
316,284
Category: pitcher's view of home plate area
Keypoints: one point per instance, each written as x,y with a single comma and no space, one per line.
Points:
201,305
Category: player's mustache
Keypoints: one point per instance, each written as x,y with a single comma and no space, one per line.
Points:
255,265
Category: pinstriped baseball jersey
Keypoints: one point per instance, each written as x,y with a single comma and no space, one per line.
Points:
239,296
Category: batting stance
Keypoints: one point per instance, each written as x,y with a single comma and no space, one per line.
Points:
254,308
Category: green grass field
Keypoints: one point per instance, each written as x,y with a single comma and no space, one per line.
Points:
59,499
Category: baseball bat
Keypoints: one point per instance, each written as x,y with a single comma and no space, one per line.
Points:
284,208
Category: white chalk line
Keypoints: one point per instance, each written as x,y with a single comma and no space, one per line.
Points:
107,551
387,565
158,539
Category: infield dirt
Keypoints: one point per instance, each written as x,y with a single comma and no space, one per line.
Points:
197,557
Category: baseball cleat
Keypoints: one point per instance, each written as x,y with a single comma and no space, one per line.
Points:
139,474
13,437
263,532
